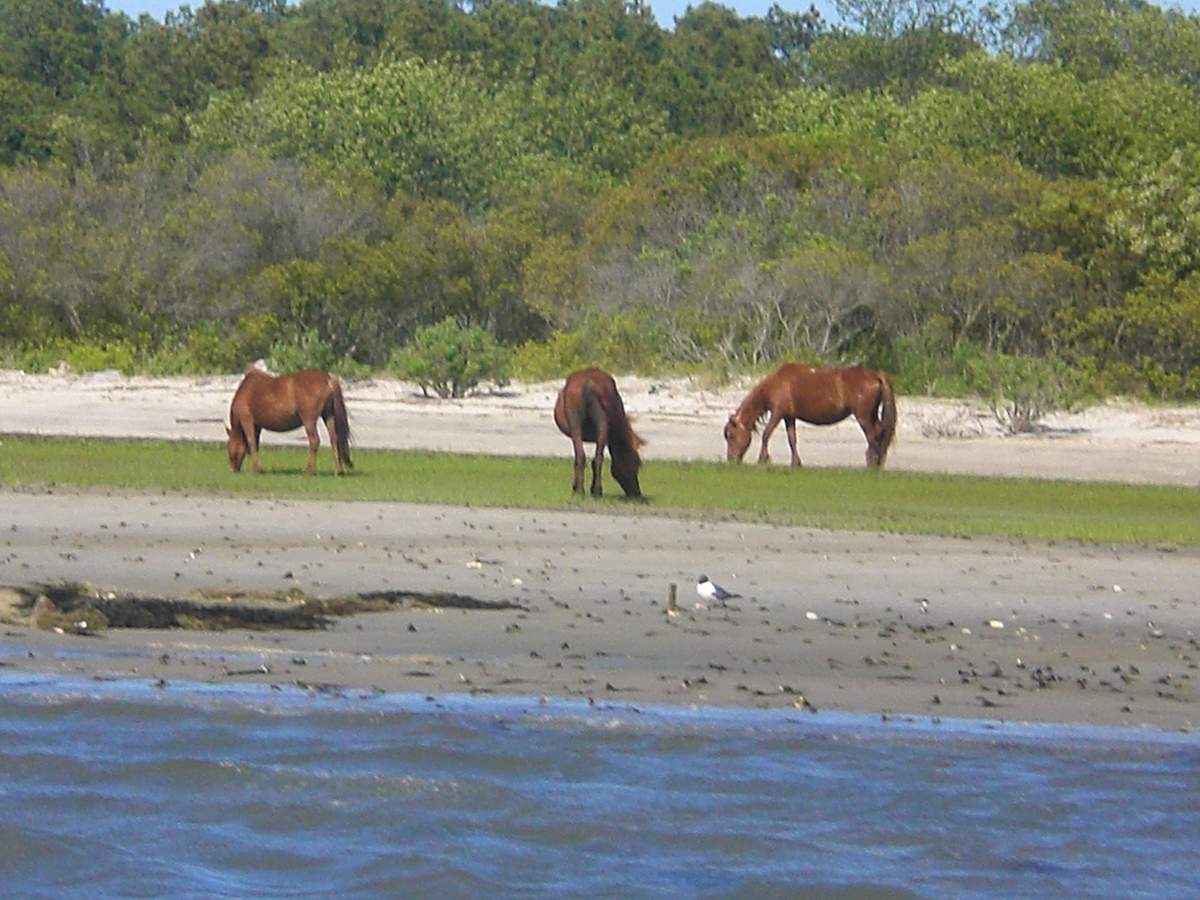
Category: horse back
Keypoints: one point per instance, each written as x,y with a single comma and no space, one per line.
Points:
282,402
821,395
586,395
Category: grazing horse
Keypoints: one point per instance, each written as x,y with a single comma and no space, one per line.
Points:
820,397
590,409
284,403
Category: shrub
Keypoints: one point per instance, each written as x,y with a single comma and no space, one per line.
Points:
1021,390
211,347
170,358
84,355
623,342
305,352
208,348
312,352
450,359
551,359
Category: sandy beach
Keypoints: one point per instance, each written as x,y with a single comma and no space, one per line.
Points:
861,622
864,622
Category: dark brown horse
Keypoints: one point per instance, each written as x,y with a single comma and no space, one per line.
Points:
285,403
820,397
590,409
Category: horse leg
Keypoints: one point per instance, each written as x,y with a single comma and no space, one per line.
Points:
331,430
598,459
870,431
314,441
580,459
252,434
790,425
772,424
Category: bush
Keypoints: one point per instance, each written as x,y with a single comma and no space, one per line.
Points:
450,359
81,356
211,348
311,352
551,359
623,342
1021,390
305,352
208,348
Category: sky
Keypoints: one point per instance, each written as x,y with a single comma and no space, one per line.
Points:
665,11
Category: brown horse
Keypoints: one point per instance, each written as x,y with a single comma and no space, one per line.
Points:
590,409
285,403
820,397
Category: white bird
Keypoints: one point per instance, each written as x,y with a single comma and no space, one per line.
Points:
710,591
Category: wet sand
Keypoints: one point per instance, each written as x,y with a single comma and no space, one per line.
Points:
862,622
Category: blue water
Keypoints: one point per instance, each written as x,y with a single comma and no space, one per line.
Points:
124,789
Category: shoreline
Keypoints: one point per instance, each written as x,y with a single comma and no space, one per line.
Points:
855,622
606,712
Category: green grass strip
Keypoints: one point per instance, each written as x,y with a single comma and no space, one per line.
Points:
906,502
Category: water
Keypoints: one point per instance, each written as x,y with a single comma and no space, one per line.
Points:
124,789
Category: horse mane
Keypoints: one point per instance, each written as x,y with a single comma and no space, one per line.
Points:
754,408
625,436
621,434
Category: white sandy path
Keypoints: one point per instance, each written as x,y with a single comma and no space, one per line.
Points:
681,420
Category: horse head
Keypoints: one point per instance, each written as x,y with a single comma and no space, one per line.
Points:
737,439
625,465
236,445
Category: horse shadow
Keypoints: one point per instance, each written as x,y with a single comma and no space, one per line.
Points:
615,498
293,471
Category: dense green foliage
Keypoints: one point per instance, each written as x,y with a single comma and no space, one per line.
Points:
932,188
904,502
450,360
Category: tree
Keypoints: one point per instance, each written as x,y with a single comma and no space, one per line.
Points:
58,44
1160,220
715,68
792,34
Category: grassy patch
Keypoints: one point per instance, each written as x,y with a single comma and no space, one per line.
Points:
826,498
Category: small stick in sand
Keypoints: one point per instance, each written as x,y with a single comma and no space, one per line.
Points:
671,607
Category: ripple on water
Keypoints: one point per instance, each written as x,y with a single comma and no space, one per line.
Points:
118,788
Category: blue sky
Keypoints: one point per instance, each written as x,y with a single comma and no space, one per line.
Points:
664,10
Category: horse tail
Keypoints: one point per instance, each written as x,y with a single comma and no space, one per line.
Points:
886,415
621,435
341,419
590,406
